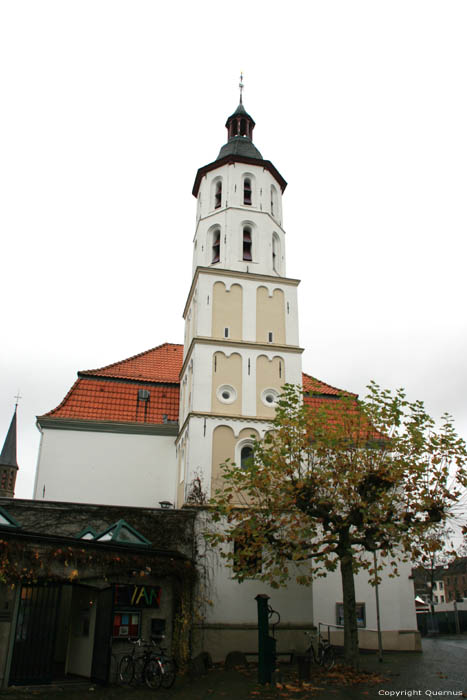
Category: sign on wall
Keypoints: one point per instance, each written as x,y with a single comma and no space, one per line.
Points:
137,596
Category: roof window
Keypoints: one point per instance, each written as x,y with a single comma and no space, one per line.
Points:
122,533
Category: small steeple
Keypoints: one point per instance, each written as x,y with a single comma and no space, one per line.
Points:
8,464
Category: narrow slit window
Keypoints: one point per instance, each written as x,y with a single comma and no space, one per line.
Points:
226,332
247,243
270,337
274,202
216,246
218,195
275,252
247,191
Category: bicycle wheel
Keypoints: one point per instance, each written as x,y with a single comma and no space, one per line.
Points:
169,673
326,657
126,669
153,674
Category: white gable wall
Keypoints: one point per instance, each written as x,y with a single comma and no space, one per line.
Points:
106,467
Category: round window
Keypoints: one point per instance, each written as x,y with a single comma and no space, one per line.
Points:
226,393
269,397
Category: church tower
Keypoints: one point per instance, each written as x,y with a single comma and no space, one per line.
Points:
241,319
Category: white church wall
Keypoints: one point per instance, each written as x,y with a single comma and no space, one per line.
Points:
397,607
106,467
229,609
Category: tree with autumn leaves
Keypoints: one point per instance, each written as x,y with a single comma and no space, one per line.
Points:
329,486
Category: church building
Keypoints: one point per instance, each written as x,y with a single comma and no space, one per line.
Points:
147,431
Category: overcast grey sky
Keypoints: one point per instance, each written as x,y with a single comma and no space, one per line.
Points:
109,108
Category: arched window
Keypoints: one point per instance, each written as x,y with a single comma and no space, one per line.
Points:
247,243
247,191
218,195
246,456
216,246
243,127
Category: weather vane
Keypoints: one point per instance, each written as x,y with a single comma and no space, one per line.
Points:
240,85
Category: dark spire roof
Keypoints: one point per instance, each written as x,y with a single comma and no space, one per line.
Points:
239,146
8,456
240,127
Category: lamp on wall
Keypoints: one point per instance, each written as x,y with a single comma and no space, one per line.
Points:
166,505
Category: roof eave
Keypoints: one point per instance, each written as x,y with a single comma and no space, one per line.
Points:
233,158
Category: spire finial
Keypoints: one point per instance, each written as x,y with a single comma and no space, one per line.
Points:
241,86
17,397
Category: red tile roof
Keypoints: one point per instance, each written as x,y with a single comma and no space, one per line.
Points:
111,392
117,401
318,388
160,364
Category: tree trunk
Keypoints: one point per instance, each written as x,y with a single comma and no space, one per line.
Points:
350,610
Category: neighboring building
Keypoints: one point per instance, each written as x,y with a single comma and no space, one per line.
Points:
8,463
154,429
429,585
439,593
455,580
91,577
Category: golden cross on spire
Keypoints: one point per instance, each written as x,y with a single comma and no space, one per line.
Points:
241,86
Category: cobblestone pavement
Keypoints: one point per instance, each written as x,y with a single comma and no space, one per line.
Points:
440,671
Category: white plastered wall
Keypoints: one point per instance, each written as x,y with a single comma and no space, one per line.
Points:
397,605
230,618
110,468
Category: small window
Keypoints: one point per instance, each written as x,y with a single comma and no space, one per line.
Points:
246,456
226,393
226,332
247,191
247,243
270,337
270,397
361,617
143,395
218,195
216,246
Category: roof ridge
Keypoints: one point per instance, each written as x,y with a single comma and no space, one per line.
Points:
320,381
127,359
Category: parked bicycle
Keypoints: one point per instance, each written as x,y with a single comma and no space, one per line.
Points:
140,666
163,667
321,650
